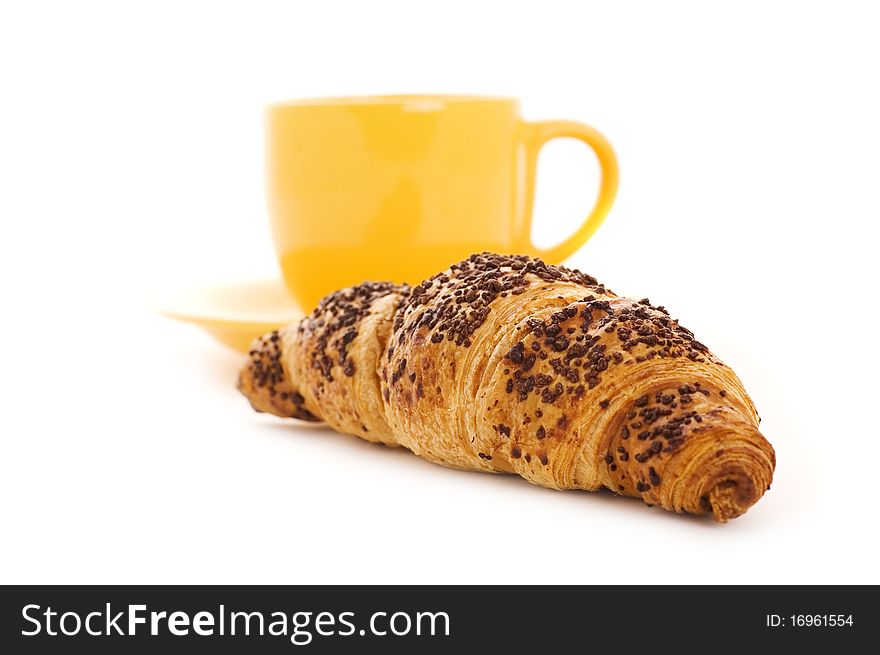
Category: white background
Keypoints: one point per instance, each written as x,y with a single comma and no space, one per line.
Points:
131,160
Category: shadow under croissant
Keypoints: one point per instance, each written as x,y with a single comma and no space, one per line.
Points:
723,495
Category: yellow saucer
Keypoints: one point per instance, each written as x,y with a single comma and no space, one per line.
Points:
235,314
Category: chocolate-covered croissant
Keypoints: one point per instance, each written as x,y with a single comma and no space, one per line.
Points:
506,364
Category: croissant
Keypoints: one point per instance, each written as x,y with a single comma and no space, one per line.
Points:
506,364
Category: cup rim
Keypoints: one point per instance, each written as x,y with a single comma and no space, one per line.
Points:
393,100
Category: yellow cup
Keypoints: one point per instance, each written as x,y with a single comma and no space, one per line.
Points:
399,187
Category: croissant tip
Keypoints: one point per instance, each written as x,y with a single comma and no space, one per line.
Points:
729,500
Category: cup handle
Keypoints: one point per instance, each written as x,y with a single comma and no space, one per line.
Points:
536,135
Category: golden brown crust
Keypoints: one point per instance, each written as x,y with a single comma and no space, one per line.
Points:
339,348
266,380
446,333
505,364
